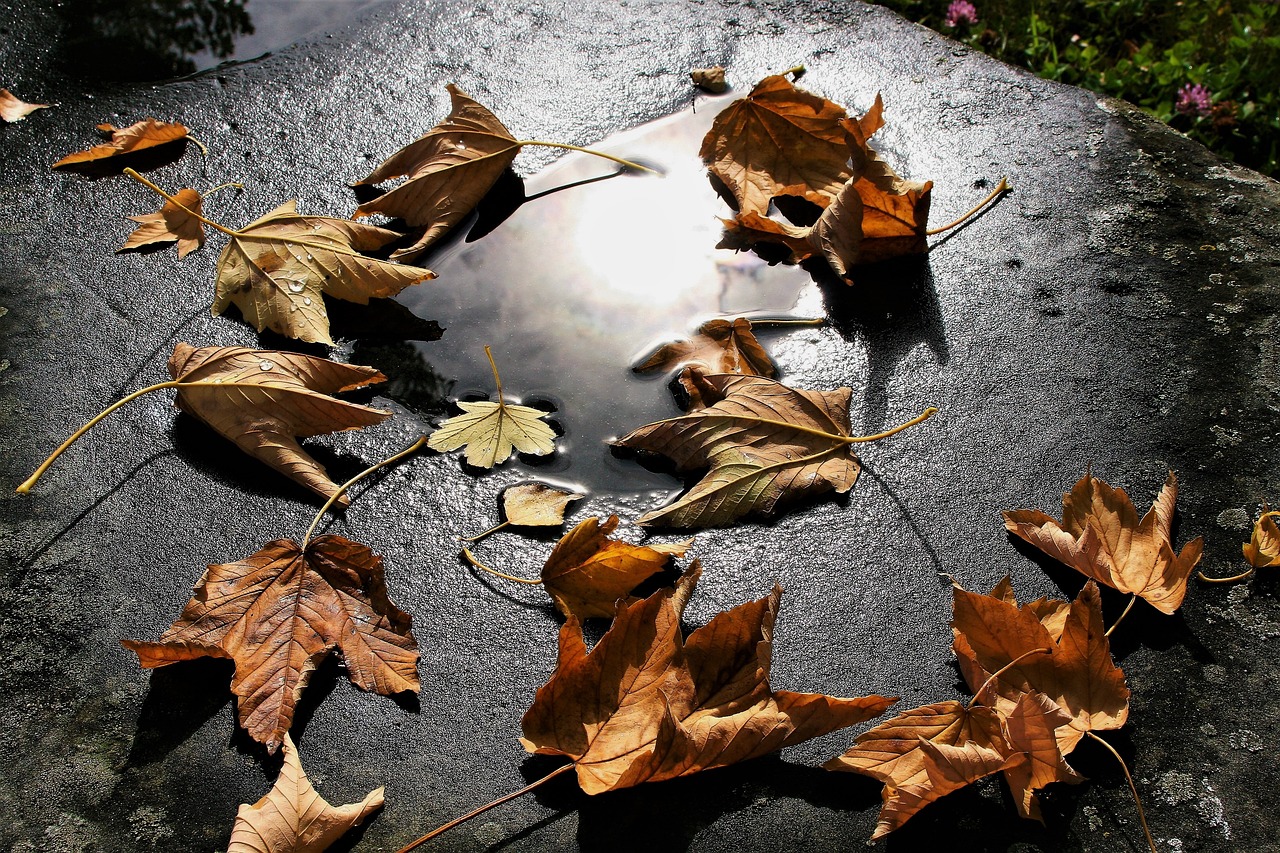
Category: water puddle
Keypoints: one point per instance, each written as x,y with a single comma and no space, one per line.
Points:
575,285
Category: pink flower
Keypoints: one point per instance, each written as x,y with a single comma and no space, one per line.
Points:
960,10
1194,101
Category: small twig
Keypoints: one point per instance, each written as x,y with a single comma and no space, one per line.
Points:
1142,818
466,817
1132,599
471,558
1002,670
341,490
1003,187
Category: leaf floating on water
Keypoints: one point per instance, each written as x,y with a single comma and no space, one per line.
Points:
278,613
12,109
147,133
173,222
293,817
719,346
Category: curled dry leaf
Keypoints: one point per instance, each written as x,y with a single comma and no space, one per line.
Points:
275,270
173,222
12,109
1101,537
719,346
588,573
1263,548
536,505
449,170
278,613
710,79
1078,674
763,443
646,705
263,399
1032,729
147,133
293,817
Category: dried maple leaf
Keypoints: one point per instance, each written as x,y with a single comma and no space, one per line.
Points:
275,270
710,79
278,613
173,222
1263,548
147,133
449,169
719,346
1078,674
926,753
763,442
492,431
12,109
781,140
646,705
587,572
1101,537
262,399
1031,728
293,817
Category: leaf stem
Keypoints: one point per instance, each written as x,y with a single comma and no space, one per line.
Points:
1142,818
493,529
466,817
1002,670
918,419
471,558
497,380
796,70
146,183
1242,576
567,147
1132,600
1002,188
204,149
341,490
235,184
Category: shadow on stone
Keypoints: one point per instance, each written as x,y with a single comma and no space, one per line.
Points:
145,160
381,321
180,699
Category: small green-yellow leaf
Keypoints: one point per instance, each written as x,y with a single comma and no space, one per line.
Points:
492,431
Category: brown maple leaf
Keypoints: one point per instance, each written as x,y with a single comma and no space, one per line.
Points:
1101,537
763,443
588,572
276,268
926,753
781,140
646,705
263,399
1263,548
293,818
173,222
12,109
719,346
1031,728
282,610
145,134
1077,674
449,170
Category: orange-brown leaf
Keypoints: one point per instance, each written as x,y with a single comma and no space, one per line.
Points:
12,109
293,817
147,133
171,223
926,753
278,613
1263,548
719,346
780,140
449,170
646,705
1077,673
263,400
1101,537
587,572
1030,728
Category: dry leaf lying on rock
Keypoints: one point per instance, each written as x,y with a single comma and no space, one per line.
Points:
492,431
719,346
646,705
173,222
1263,548
12,109
275,270
293,817
147,133
449,169
282,610
1101,537
588,573
536,505
710,79
262,399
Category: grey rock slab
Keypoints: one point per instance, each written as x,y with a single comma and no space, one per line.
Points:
1120,308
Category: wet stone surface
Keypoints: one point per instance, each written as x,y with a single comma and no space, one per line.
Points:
1121,307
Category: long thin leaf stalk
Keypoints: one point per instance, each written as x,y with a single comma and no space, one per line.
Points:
1132,599
627,163
469,815
1002,670
1142,817
217,226
227,185
1001,188
341,490
497,380
471,558
204,149
480,536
